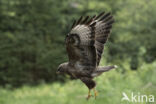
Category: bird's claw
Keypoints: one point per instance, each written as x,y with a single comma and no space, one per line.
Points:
89,97
95,93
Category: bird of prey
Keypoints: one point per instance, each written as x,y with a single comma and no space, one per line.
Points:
84,44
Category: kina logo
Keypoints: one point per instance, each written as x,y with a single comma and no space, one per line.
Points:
137,97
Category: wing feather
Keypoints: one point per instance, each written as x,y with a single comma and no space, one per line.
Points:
102,30
85,42
80,45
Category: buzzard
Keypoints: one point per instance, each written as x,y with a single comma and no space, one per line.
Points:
84,45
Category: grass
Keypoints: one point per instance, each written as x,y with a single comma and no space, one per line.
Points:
110,87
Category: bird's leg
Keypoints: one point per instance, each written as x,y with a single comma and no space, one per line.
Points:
95,92
89,95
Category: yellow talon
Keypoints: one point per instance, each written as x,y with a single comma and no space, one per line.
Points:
89,95
95,93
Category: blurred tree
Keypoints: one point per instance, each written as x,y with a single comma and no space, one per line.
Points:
32,35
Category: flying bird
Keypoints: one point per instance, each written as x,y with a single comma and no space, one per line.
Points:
84,44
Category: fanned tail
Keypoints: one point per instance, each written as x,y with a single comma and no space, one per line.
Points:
105,68
102,69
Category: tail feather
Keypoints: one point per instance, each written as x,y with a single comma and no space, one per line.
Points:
102,69
106,68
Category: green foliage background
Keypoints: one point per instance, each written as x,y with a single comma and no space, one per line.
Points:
32,46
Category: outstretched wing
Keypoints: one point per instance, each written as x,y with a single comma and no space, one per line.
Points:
102,30
80,45
85,42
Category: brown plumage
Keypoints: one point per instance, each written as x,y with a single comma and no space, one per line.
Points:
85,44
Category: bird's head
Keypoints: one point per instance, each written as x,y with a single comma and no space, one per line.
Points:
62,68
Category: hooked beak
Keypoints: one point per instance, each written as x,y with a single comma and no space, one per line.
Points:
58,71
